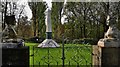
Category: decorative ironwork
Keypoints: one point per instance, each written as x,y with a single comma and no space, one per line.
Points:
67,54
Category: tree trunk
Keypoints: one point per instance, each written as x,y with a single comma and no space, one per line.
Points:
81,32
35,19
3,25
84,31
34,26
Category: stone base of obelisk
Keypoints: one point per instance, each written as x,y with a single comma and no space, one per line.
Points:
48,43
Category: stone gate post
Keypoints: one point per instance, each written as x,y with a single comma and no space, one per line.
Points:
107,52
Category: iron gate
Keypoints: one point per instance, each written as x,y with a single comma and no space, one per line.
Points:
66,55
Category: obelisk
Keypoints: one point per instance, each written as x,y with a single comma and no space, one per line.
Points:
48,42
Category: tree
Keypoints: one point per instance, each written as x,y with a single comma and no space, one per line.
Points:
38,9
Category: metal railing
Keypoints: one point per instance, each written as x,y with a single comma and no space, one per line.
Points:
66,55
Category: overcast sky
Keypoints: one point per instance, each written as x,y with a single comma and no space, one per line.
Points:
27,11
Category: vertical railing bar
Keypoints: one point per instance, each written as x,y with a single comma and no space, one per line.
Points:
33,56
91,47
57,63
77,64
63,53
48,56
69,63
39,64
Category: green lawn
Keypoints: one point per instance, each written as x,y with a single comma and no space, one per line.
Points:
74,54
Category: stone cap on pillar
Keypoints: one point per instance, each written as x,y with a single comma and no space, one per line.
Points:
108,43
111,38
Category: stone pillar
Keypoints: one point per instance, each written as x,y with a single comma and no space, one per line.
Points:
0,21
106,53
0,34
110,57
108,48
96,56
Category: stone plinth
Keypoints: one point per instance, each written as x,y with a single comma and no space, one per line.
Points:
15,57
110,57
108,49
106,53
95,56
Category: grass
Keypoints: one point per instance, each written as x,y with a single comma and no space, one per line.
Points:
75,54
